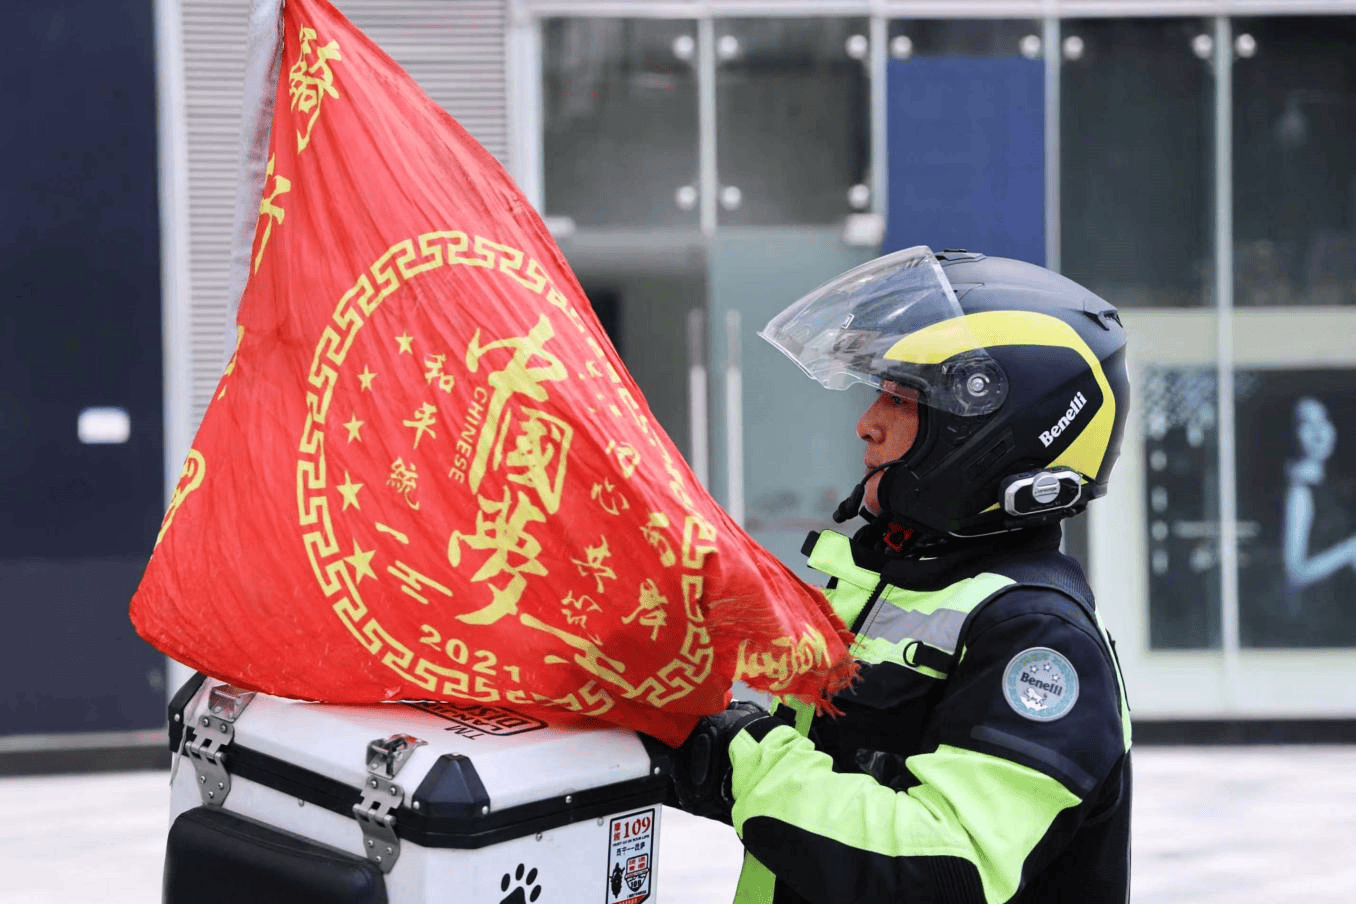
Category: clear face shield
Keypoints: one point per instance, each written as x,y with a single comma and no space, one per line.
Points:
893,320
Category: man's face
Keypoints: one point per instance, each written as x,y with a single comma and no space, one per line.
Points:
1317,435
888,427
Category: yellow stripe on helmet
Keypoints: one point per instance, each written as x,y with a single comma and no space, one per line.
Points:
987,329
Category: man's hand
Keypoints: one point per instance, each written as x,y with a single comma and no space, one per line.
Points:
701,766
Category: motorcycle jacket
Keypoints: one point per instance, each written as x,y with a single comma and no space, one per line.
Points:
983,756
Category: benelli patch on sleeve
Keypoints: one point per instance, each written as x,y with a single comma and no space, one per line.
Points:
1040,684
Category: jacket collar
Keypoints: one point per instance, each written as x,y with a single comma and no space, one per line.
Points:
931,564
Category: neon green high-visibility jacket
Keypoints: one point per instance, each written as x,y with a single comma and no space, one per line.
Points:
982,757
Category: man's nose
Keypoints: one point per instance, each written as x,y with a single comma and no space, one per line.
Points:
869,424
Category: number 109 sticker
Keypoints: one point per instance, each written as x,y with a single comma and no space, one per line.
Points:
630,857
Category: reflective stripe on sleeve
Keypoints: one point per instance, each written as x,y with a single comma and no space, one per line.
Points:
783,781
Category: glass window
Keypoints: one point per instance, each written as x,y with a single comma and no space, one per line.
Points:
619,120
1179,407
1294,186
1136,159
985,38
792,120
801,454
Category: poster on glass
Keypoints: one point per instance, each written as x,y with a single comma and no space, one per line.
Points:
1297,484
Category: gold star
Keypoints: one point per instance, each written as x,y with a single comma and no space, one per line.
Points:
361,562
349,490
353,427
366,377
406,343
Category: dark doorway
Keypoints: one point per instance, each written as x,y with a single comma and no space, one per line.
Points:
81,423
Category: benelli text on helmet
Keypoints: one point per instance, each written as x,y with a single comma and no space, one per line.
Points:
1075,405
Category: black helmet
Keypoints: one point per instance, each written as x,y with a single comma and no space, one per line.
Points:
1020,375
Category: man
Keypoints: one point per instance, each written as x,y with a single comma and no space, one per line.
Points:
984,753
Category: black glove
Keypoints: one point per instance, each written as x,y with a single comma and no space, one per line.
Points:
701,766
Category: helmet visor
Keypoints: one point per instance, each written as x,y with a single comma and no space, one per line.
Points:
895,318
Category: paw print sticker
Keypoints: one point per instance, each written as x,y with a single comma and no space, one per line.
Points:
520,886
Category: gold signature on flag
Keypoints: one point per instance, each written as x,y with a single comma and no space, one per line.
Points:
270,212
787,659
190,478
311,80
404,479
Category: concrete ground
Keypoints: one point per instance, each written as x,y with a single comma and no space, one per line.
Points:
1242,825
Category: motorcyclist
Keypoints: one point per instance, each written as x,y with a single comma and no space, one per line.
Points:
983,755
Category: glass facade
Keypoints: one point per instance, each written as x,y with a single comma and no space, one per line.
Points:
619,121
1294,161
972,38
1136,153
1204,181
1136,169
792,120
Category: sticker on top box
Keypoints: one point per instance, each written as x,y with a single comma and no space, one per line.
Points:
476,720
630,857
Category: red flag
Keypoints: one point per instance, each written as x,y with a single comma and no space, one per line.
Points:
426,473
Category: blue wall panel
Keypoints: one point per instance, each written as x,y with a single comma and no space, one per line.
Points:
967,155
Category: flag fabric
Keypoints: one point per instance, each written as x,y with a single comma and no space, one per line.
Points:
426,473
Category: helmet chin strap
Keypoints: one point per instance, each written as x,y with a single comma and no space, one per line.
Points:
850,506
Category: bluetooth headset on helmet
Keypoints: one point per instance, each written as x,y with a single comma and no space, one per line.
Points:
1020,375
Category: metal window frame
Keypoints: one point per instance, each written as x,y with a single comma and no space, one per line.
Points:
933,9
1227,447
